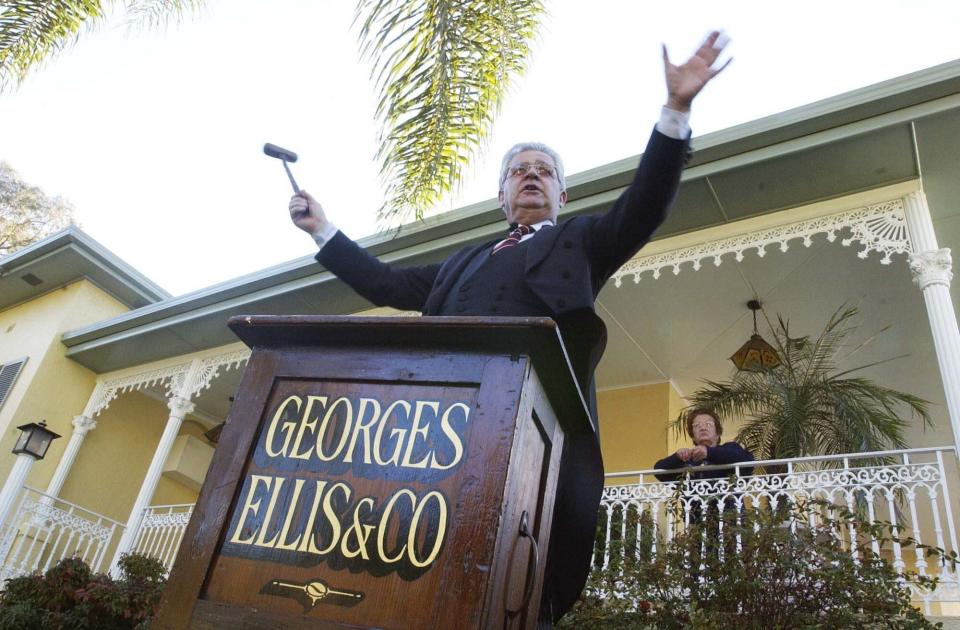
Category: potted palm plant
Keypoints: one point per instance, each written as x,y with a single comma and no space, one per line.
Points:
806,405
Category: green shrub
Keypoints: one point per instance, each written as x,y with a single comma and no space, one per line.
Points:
799,576
70,596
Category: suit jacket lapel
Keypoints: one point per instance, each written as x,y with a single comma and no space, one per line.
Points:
540,245
449,274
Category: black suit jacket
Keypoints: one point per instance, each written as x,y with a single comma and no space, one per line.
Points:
566,266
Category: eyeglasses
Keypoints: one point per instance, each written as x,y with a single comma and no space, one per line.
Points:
543,170
702,425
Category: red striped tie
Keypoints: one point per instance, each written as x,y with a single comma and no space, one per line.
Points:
513,238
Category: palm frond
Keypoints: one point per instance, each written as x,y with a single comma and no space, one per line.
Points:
441,69
153,14
831,340
35,31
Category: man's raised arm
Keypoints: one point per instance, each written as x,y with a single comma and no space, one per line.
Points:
640,210
402,288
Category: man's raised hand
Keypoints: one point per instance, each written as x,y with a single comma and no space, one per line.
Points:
685,82
307,213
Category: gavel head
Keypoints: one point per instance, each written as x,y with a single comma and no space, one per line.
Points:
279,152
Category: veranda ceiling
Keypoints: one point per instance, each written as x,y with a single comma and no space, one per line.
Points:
685,327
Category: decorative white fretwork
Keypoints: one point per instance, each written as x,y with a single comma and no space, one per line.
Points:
932,267
180,519
170,377
210,367
878,228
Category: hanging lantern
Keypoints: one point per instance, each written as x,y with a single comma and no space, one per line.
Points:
756,355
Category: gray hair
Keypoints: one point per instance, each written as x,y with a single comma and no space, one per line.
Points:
532,146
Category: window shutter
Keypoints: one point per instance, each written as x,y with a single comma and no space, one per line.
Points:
8,374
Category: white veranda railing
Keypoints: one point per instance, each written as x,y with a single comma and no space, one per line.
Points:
909,489
43,530
161,532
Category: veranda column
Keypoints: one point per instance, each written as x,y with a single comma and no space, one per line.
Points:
931,267
179,405
82,424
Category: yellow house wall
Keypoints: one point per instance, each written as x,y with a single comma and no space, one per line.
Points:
114,458
633,425
676,404
50,387
171,491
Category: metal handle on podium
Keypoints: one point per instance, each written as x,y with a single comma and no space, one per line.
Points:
530,580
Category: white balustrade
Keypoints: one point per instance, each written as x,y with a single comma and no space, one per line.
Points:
161,532
905,487
908,488
44,529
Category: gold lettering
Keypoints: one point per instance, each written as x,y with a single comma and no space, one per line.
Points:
291,510
384,526
377,452
262,538
307,544
305,424
332,517
415,430
415,524
325,425
452,436
287,428
249,508
361,531
365,428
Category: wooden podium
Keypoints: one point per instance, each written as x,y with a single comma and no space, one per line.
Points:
393,473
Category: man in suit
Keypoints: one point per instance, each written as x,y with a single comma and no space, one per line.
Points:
542,268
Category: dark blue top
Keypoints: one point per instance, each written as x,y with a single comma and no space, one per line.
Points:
729,453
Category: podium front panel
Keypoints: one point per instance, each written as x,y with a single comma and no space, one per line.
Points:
366,483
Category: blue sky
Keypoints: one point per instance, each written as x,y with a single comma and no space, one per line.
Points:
155,137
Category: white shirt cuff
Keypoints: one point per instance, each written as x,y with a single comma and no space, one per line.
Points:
674,124
324,234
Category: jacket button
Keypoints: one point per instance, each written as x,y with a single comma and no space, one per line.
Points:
493,309
567,244
464,288
565,275
561,303
503,287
